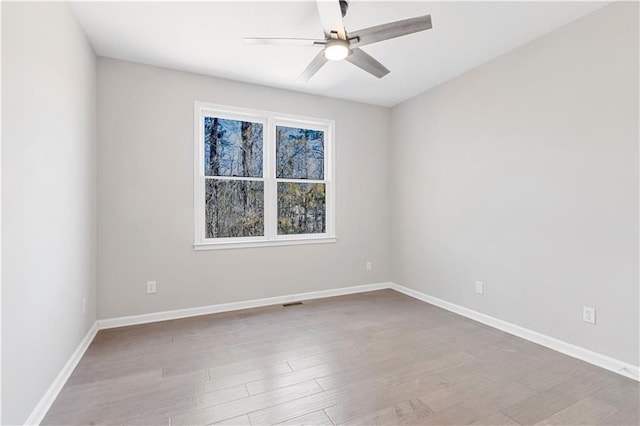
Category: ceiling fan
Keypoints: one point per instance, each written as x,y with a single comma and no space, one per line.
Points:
340,44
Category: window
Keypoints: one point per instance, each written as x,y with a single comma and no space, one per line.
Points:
262,178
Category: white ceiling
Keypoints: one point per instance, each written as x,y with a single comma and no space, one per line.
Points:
207,38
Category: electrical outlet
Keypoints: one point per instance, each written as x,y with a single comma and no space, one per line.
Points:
84,305
479,287
151,287
589,314
369,266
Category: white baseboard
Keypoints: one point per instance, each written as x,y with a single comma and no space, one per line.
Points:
606,362
581,353
51,394
235,306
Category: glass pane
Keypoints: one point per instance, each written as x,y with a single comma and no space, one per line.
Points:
299,153
301,208
232,148
234,208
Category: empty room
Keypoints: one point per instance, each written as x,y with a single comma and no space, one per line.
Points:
320,213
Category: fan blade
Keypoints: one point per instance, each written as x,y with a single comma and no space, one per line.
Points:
313,67
390,30
331,18
287,41
361,59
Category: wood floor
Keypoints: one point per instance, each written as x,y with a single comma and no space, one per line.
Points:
378,358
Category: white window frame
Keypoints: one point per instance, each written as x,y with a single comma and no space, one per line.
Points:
269,120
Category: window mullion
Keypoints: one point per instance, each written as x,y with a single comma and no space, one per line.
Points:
270,194
256,179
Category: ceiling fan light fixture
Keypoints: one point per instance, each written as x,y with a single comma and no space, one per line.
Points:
339,44
336,50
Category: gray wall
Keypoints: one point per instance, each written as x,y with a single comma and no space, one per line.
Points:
523,173
48,198
145,196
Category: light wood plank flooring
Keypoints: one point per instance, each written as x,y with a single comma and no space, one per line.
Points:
378,358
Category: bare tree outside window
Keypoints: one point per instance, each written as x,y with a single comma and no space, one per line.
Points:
300,157
262,178
233,149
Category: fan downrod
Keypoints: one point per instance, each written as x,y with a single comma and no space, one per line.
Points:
344,5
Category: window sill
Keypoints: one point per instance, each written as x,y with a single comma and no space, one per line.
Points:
271,243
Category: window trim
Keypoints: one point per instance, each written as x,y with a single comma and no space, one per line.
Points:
269,120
